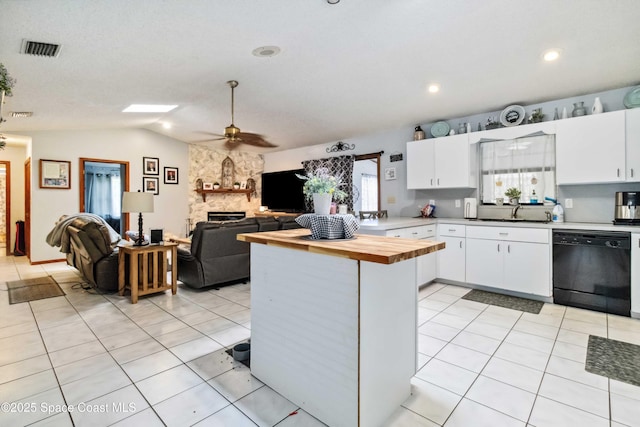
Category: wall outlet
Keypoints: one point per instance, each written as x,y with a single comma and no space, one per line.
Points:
432,202
458,203
391,200
568,203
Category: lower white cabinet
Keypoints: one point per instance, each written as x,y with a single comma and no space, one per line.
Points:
451,259
493,259
635,274
425,264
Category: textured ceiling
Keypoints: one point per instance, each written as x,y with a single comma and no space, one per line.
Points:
348,69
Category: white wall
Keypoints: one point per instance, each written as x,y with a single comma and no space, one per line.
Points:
402,202
16,156
171,207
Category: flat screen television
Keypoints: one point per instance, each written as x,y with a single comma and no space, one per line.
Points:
282,191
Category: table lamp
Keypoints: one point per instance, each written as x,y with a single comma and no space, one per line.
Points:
137,202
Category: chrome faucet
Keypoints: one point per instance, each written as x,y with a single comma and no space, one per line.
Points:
514,211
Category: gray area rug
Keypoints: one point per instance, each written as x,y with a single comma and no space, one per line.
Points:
33,289
614,359
506,301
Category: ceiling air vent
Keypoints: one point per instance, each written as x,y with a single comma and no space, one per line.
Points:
40,49
21,113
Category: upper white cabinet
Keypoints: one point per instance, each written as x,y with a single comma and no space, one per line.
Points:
591,149
447,162
632,128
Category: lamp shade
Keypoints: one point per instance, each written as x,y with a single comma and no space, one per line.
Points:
137,202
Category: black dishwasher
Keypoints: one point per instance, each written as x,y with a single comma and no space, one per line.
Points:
592,270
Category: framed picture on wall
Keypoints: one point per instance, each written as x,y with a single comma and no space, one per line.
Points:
150,166
170,175
389,174
151,185
55,174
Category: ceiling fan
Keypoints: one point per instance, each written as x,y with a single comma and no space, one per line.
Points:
234,136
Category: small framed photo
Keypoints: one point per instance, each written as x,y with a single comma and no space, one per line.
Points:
151,185
150,166
243,185
55,174
207,185
170,175
389,174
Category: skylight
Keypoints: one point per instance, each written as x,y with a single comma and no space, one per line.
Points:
148,108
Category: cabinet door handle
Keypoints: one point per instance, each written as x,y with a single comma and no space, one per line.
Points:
631,172
508,249
461,243
498,247
618,171
414,233
431,182
503,234
452,229
438,181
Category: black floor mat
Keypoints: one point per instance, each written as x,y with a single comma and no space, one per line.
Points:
507,301
613,359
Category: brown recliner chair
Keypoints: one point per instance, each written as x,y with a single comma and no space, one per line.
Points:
91,247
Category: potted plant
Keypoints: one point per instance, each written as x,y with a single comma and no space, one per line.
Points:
216,185
322,188
6,81
513,194
236,185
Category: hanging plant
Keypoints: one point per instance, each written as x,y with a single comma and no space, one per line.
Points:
6,81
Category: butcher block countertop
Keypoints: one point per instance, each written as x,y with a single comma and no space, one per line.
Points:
382,250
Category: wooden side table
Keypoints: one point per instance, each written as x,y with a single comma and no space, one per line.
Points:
148,269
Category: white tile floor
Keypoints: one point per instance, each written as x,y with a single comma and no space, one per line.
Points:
162,362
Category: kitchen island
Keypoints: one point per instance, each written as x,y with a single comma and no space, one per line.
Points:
334,322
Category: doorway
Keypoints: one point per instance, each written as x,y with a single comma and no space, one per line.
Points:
366,180
102,183
5,207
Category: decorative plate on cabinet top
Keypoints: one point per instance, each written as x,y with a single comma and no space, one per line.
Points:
439,129
632,98
513,115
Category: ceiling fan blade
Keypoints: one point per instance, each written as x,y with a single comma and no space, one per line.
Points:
254,139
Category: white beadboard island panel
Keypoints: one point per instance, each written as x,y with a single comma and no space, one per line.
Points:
304,330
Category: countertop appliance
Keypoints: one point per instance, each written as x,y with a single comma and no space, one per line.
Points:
627,211
470,207
591,269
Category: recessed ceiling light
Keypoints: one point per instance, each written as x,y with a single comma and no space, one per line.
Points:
166,125
266,51
434,88
551,55
148,108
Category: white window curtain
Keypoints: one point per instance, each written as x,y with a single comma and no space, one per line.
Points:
526,163
369,192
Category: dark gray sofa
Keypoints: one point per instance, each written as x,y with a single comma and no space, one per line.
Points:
216,256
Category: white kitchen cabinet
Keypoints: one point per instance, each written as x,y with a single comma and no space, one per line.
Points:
591,149
632,130
425,264
514,259
451,260
635,275
447,162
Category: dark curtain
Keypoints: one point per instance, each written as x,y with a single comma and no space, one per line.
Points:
341,167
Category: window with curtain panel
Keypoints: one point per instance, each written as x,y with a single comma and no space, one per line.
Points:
527,163
369,192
